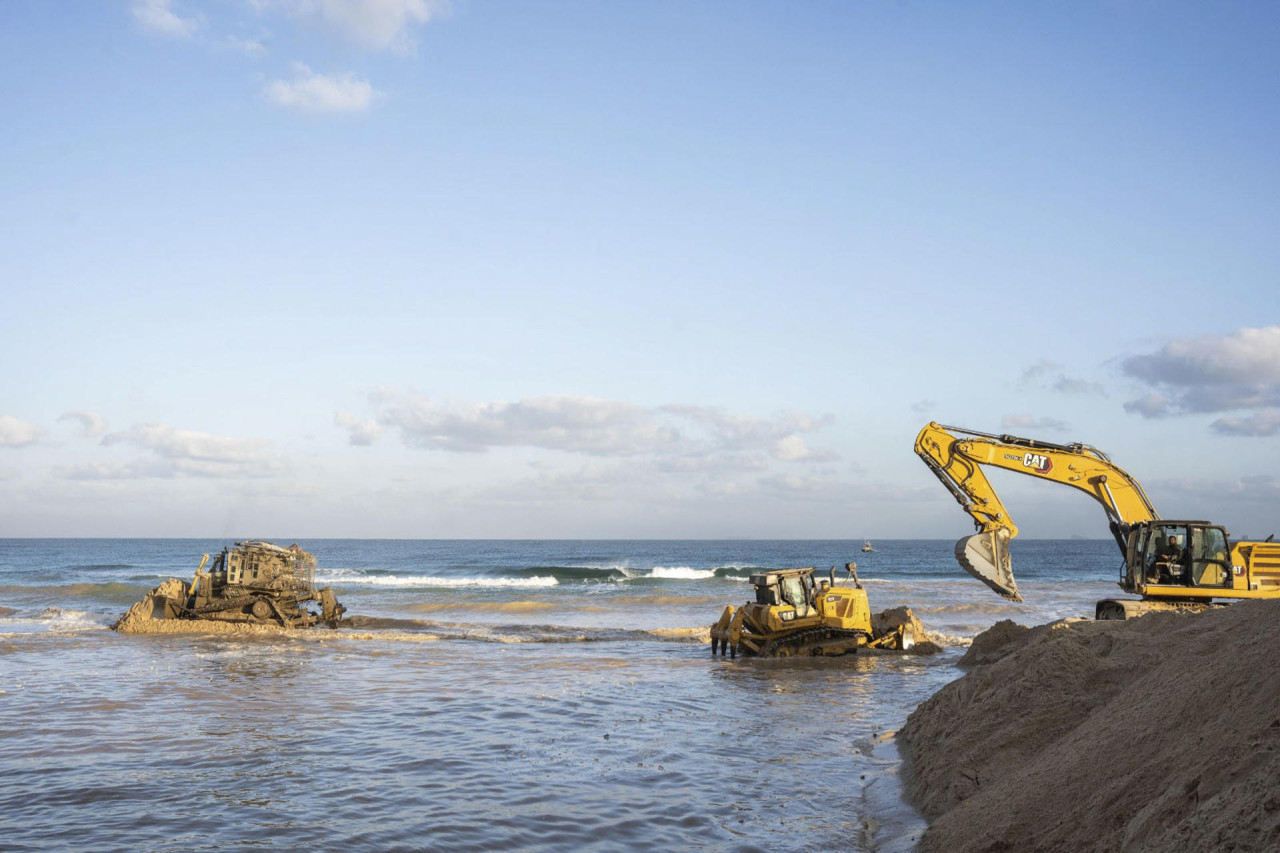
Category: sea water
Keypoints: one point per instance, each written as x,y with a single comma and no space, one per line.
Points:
489,695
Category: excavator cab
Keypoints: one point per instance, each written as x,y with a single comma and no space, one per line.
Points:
1173,554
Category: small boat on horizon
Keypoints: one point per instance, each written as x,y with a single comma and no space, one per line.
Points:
866,546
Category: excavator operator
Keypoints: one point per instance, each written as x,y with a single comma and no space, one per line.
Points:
1166,565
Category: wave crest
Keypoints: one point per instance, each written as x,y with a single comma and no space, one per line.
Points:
434,581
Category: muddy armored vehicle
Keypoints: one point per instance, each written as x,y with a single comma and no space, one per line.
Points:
255,582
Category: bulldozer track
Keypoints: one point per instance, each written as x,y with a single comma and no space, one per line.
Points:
805,643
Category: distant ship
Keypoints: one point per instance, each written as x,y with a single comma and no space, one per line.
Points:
866,546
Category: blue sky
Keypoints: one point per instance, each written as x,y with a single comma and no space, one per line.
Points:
413,269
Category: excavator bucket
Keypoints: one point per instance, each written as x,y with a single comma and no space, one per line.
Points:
986,557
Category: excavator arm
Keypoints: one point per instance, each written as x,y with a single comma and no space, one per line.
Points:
957,461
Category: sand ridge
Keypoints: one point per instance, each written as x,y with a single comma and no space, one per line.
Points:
1154,734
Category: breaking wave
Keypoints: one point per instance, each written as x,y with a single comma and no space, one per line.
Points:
433,581
738,573
951,640
52,619
538,576
682,573
577,573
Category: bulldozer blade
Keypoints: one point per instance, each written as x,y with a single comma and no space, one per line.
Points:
163,607
986,557
330,610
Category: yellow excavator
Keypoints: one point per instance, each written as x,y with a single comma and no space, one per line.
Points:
1170,564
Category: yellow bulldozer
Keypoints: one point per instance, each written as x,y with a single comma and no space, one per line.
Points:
1171,564
794,615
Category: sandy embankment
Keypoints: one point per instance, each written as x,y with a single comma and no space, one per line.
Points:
1160,733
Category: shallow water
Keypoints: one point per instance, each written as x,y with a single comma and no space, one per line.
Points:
479,706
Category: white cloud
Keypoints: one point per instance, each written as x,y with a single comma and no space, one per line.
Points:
597,427
592,482
16,433
747,432
1263,423
91,423
792,448
318,93
1039,372
183,452
248,46
158,17
362,432
1260,489
375,24
794,484
92,471
1052,376
1025,421
723,488
713,465
1151,405
1209,374
1068,385
575,424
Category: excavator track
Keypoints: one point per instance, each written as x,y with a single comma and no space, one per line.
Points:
1128,608
815,642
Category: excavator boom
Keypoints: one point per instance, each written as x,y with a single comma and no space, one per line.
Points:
956,455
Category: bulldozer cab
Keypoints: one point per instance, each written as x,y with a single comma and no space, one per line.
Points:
1177,553
263,566
793,586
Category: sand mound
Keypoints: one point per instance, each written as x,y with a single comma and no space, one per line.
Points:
1154,734
994,643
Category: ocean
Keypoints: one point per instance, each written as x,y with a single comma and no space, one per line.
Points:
490,695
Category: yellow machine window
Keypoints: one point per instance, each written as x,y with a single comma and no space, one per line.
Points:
1209,557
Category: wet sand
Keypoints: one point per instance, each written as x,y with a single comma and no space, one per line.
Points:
1161,733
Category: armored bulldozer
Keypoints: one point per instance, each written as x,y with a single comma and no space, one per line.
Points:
255,582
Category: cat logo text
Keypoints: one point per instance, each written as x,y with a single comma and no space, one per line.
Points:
1037,462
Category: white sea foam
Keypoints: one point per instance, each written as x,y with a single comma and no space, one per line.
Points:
683,573
335,574
948,639
53,619
420,581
